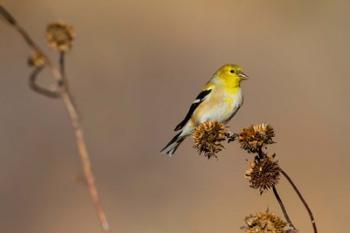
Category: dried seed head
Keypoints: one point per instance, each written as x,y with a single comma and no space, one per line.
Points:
263,173
60,36
208,136
264,222
252,139
37,59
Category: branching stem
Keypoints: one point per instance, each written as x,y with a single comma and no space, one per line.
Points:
64,92
37,88
284,210
312,219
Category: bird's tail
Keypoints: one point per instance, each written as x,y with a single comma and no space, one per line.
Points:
174,143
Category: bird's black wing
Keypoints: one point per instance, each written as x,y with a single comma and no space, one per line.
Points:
199,99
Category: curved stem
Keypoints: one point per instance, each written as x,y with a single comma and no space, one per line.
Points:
64,92
37,88
7,16
12,21
284,210
312,219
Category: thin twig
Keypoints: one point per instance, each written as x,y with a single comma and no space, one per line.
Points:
61,62
13,22
65,82
37,88
84,155
284,210
7,16
63,90
312,219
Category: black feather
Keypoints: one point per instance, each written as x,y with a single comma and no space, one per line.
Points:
199,99
174,139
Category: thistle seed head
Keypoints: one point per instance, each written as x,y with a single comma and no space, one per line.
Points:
263,173
253,138
208,138
37,59
60,36
264,222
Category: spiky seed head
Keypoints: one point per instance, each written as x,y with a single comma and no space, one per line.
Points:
37,59
263,173
208,138
60,36
264,222
253,138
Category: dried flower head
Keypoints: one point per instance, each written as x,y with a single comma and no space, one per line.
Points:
37,59
252,139
60,36
263,173
208,137
264,222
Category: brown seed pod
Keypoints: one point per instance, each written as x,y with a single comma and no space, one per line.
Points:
264,222
60,36
263,173
208,138
253,138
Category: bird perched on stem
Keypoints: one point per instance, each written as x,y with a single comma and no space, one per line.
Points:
219,101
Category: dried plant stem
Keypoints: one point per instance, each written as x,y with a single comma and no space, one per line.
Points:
40,90
65,94
81,144
284,210
85,160
261,155
312,219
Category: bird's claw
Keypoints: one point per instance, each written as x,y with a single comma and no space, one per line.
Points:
231,136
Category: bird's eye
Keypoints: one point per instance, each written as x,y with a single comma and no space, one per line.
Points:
232,71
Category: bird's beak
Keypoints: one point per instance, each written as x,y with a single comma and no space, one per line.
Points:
243,76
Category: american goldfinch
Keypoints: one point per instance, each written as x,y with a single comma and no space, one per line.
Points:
219,101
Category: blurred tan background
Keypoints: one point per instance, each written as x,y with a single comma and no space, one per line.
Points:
134,69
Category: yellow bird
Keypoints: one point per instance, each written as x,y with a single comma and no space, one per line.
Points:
219,101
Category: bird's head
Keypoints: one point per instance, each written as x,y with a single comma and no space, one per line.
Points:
231,74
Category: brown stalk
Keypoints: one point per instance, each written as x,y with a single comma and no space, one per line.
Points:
284,210
64,92
312,219
262,154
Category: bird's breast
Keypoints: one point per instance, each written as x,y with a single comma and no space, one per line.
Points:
221,106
